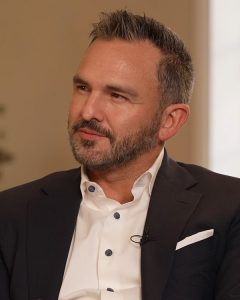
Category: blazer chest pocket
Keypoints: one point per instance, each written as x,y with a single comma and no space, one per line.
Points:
201,252
193,271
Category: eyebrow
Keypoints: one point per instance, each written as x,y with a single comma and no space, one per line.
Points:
109,87
78,79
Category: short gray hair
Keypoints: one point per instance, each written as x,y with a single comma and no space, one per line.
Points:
175,70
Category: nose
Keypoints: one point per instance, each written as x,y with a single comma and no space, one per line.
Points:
92,107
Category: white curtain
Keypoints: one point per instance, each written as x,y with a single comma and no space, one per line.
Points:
224,116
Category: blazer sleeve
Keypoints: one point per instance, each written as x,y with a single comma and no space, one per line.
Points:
228,278
4,281
5,251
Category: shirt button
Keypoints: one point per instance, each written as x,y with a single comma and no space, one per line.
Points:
110,290
91,188
116,215
108,252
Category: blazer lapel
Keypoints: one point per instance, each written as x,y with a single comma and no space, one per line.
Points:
51,222
170,207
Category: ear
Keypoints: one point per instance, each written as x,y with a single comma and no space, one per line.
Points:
173,118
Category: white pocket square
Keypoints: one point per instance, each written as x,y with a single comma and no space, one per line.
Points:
202,235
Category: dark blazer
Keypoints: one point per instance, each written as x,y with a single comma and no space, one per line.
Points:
37,221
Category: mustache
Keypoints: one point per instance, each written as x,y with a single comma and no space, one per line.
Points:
93,125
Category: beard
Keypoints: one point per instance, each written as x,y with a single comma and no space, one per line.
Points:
122,150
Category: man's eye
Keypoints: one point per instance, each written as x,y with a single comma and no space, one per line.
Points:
81,87
118,96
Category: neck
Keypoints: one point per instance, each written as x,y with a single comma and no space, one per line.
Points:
117,182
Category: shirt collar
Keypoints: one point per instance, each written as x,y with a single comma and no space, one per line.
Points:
150,175
147,178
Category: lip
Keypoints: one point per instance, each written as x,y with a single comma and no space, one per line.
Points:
89,134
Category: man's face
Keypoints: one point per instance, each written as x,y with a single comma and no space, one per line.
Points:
115,113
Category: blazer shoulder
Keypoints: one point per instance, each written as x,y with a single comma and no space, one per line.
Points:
15,200
208,180
202,172
32,185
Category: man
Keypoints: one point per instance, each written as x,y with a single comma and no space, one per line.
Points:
147,228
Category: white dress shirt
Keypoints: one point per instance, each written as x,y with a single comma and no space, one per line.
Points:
103,263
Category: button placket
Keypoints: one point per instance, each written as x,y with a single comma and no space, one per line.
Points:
108,250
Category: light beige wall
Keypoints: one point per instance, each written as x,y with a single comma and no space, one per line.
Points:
41,43
199,132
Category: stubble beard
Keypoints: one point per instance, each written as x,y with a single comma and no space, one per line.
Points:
121,152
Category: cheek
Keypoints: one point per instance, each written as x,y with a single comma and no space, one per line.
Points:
130,120
74,111
122,125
